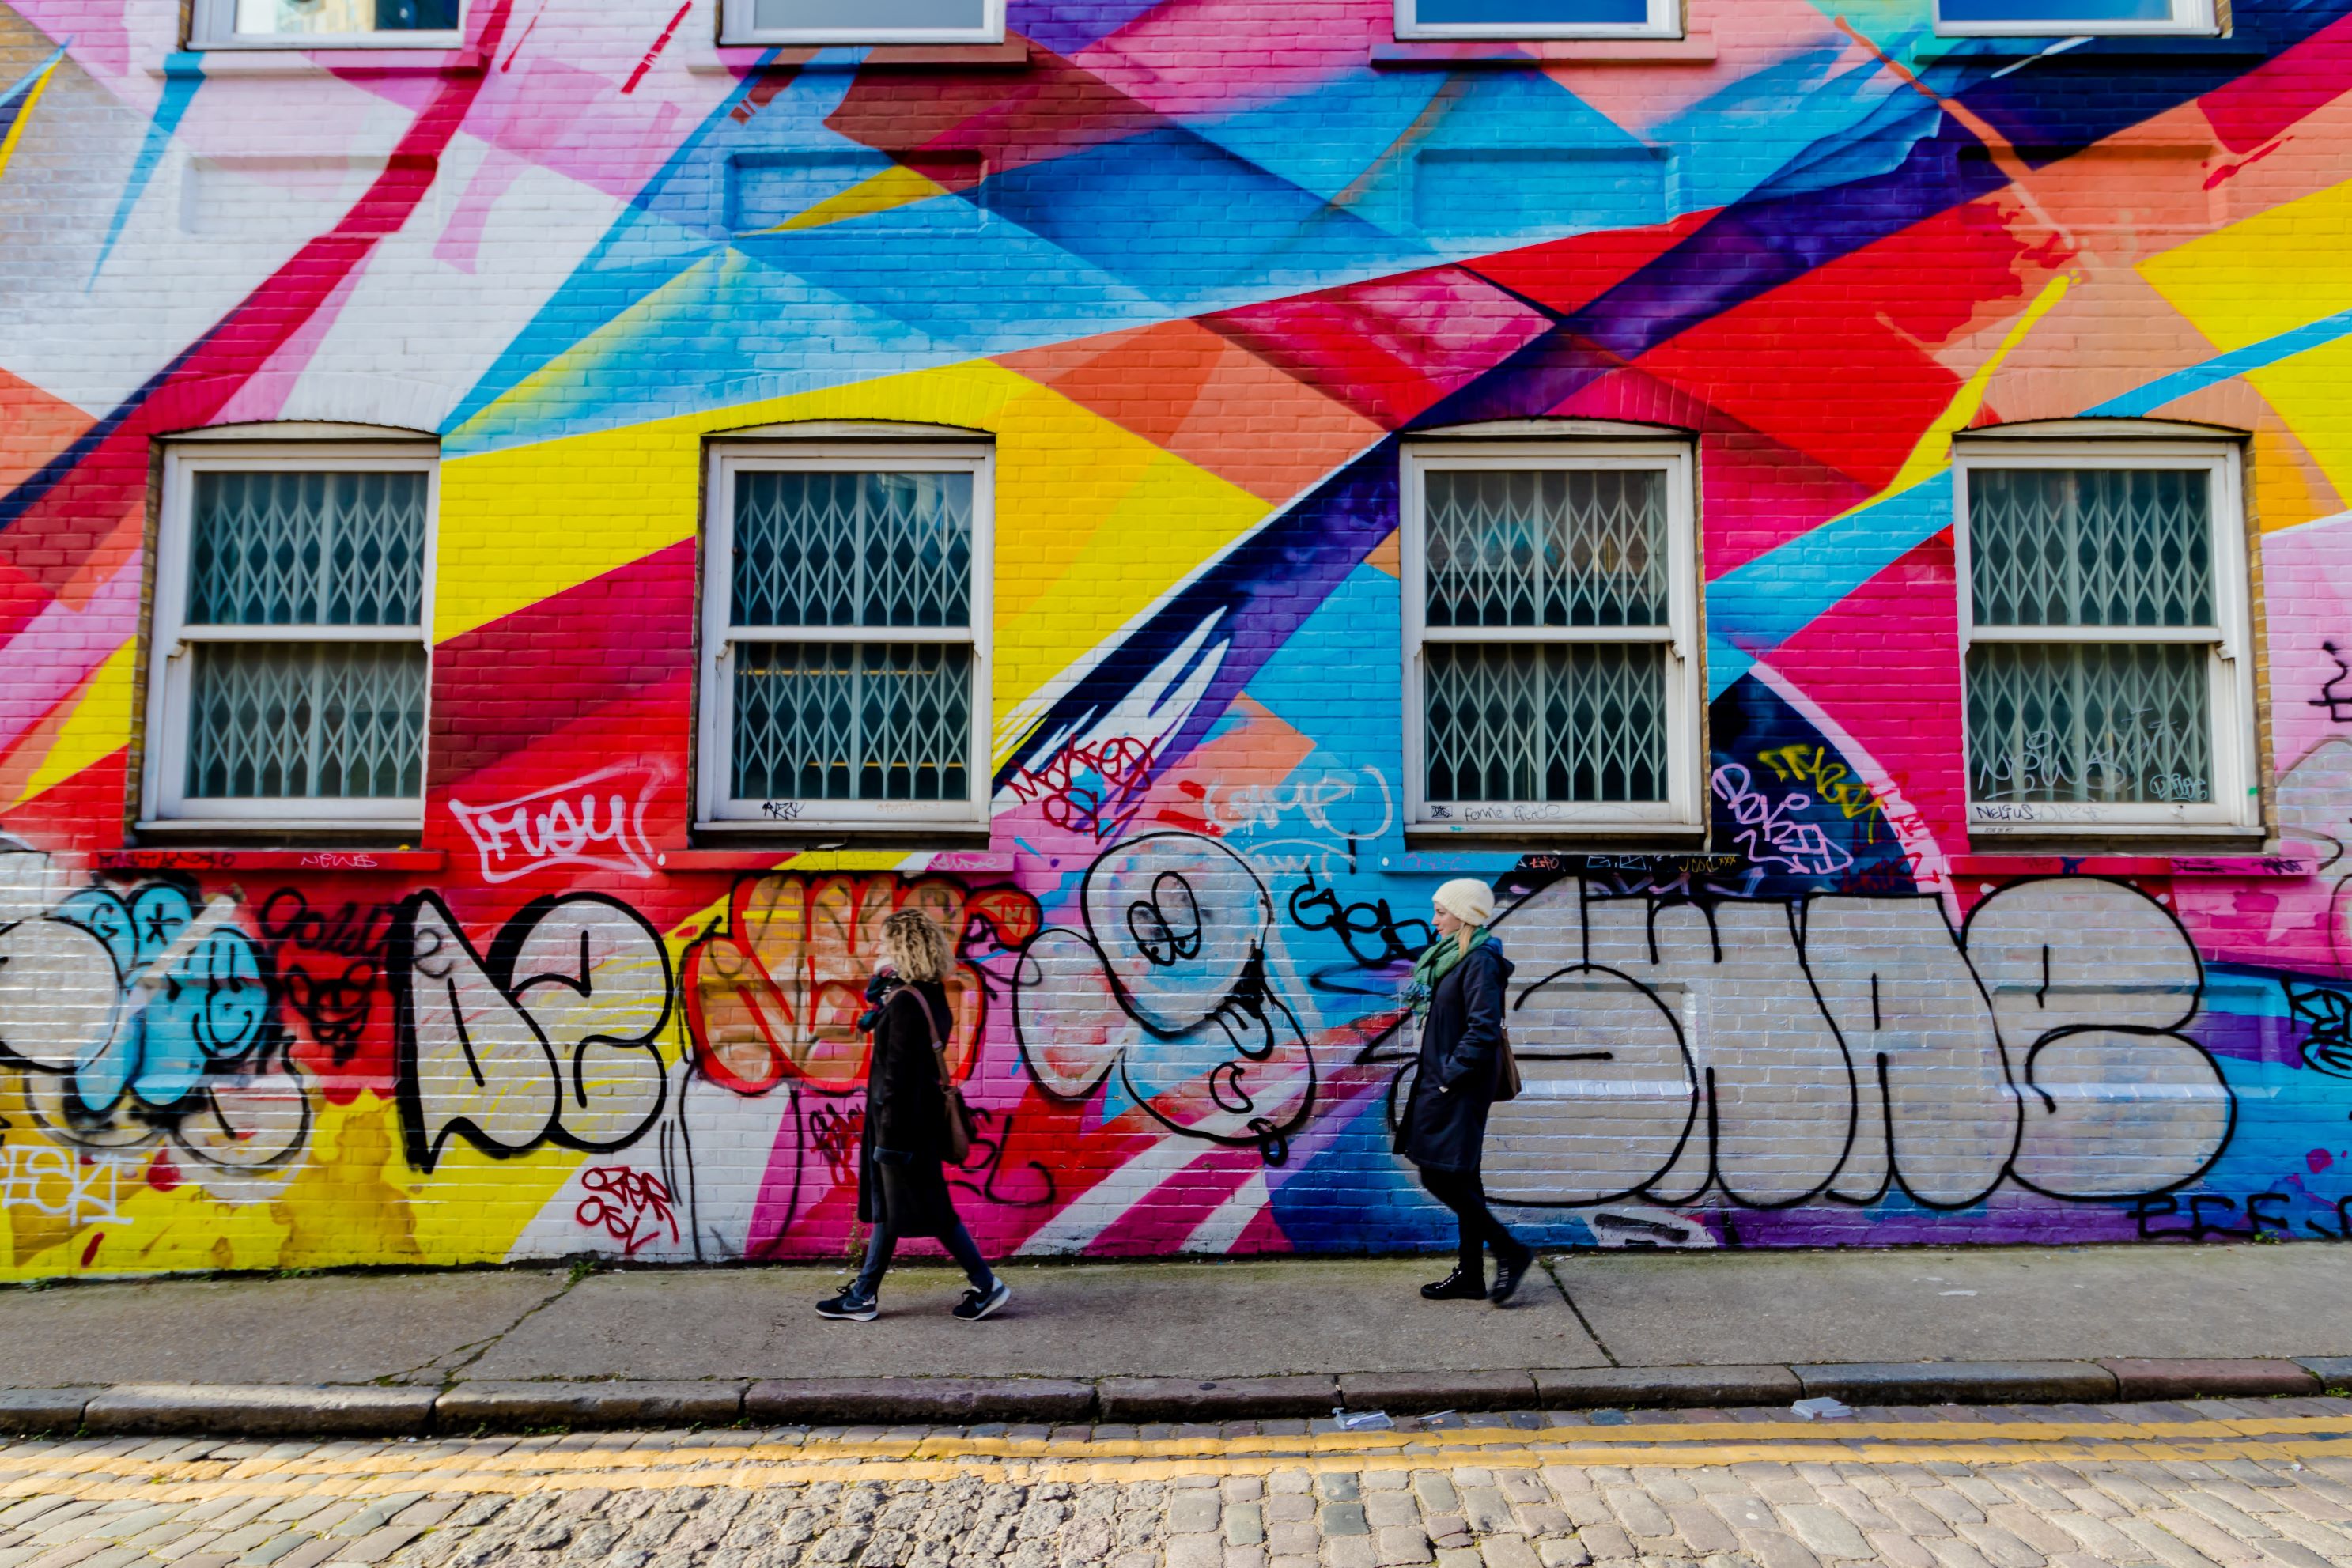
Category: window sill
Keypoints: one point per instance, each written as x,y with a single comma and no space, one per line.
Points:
2104,47
753,59
1563,851
2298,861
275,59
269,859
1454,54
846,858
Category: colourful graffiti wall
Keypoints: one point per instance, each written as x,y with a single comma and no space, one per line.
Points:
1194,274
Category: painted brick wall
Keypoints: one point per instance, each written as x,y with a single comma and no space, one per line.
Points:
1195,273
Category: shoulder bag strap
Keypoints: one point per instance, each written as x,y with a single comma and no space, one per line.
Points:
939,1038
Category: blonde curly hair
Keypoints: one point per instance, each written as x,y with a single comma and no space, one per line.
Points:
920,947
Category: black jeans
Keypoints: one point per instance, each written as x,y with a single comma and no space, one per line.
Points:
957,1241
1465,1193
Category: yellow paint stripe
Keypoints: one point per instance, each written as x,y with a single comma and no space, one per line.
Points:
97,727
1933,454
25,114
896,186
1093,523
2264,275
385,1477
1669,1441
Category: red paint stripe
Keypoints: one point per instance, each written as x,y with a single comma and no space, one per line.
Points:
520,42
76,517
659,45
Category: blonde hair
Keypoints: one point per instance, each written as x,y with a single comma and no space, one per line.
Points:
920,946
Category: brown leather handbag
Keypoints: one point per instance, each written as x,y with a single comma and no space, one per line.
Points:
959,1115
1508,1082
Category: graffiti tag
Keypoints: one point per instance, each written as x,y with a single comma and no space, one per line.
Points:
597,822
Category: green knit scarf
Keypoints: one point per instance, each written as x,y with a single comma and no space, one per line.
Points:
1435,962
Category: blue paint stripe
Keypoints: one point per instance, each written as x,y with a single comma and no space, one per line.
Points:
179,91
1754,608
2223,367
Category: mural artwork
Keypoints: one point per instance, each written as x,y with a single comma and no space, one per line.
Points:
1196,311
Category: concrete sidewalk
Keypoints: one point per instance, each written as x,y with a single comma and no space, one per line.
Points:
1156,1342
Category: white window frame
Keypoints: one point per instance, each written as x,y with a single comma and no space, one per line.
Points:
737,28
212,24
1681,810
2235,806
171,670
2190,18
1665,21
715,809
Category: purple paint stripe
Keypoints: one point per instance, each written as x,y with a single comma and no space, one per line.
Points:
1255,598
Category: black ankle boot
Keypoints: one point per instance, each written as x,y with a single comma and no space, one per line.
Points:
1508,1274
1457,1286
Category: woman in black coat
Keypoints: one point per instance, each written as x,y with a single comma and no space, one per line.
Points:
1457,987
902,1187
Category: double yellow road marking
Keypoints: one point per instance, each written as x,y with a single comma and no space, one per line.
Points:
490,1467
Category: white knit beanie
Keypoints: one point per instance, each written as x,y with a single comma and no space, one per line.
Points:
1466,899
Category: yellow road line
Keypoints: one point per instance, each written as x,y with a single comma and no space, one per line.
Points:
1673,1438
756,1476
381,1473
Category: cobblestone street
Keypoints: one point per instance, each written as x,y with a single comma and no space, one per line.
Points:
2212,1482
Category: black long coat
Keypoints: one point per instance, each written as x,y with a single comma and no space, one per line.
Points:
900,1182
1445,1123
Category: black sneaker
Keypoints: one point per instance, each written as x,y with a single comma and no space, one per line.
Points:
850,1307
1457,1286
1508,1273
977,1303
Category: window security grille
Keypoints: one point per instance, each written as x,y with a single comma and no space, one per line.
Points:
2102,664
846,653
1551,599
291,610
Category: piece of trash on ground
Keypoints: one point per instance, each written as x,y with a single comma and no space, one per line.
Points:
1610,1418
1822,1409
1362,1420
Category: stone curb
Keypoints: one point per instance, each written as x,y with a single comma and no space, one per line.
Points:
939,1401
42,1412
245,1410
1960,1381
1420,1393
2333,1371
2209,1379
1665,1387
1132,1399
510,1406
337,1411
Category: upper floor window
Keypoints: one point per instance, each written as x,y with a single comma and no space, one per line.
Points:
327,24
1549,601
2067,19
863,21
1539,18
2103,606
287,676
845,636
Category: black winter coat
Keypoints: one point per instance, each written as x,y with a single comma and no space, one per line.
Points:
1445,1123
899,1180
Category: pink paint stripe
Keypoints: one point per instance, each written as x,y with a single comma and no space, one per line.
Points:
60,646
659,45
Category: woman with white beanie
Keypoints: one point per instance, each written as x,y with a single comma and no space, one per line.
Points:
1457,991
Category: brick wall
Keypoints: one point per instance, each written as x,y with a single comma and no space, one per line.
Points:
1191,277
